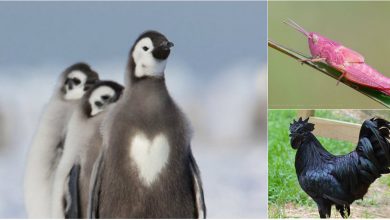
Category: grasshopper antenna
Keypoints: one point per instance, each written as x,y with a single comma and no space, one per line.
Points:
294,25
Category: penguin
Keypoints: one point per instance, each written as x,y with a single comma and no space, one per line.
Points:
47,144
81,148
147,169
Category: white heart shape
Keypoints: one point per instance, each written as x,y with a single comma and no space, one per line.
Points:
149,156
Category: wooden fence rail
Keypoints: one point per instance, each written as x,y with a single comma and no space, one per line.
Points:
339,130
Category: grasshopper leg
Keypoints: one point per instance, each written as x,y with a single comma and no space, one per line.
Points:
339,79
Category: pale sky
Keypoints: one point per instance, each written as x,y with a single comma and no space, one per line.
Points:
207,35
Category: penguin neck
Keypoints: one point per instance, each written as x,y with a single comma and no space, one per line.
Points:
147,94
131,79
149,88
59,95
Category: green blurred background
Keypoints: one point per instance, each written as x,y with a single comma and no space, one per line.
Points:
362,26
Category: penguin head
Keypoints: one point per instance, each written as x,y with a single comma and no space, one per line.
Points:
100,96
78,79
149,55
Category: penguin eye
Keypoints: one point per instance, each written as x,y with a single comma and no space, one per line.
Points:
105,97
98,104
76,81
145,48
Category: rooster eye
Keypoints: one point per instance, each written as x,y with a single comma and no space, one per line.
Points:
145,48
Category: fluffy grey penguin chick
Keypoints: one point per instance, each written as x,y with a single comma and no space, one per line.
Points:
47,145
147,169
81,148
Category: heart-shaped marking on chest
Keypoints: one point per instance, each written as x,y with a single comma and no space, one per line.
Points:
149,156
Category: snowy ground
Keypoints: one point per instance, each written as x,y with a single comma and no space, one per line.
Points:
225,111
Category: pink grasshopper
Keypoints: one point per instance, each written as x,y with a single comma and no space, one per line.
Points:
347,61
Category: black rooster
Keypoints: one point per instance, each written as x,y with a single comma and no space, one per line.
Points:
340,180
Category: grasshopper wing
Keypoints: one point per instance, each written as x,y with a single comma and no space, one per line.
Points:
350,56
365,75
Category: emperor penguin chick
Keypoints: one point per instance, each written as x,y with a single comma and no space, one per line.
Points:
48,141
82,146
147,169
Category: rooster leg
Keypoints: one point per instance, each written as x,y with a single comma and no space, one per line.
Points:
344,210
348,210
324,207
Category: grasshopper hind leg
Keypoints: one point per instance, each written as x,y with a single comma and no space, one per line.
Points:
341,77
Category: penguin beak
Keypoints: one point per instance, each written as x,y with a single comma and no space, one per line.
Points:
70,84
169,44
162,52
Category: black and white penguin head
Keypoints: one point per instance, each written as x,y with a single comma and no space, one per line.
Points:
100,96
149,54
78,78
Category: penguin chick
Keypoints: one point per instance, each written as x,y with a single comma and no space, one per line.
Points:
81,147
147,169
47,144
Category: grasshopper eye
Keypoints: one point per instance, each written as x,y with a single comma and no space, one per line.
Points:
315,38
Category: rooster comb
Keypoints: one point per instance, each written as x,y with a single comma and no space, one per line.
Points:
301,126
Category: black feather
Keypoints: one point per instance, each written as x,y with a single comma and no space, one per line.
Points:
74,207
340,180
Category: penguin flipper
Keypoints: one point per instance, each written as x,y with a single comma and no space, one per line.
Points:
73,198
198,189
94,187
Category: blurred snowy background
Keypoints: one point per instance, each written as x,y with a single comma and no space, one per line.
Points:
216,73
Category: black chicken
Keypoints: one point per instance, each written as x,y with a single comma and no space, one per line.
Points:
340,180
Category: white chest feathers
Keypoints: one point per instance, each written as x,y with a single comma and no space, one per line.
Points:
149,156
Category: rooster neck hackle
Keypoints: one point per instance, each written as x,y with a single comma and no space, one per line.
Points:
310,153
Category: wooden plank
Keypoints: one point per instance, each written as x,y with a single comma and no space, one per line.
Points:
334,129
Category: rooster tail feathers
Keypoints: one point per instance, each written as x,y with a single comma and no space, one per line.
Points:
381,122
376,124
367,164
374,147
366,150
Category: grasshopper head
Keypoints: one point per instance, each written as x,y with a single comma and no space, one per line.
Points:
315,44
313,38
319,43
